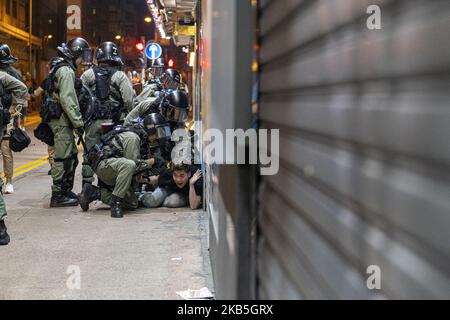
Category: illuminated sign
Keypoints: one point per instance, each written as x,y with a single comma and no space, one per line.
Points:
73,22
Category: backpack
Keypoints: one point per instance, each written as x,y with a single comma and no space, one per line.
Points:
104,106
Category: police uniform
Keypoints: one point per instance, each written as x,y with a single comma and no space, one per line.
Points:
66,152
121,93
148,106
115,165
117,172
10,85
149,91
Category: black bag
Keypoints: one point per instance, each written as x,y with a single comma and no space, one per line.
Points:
19,140
45,134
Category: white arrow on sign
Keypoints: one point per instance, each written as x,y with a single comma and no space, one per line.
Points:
154,49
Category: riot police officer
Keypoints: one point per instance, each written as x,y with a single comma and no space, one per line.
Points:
7,60
65,117
159,134
153,85
113,95
115,164
8,86
170,80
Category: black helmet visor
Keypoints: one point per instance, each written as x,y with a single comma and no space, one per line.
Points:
169,83
87,57
175,114
162,132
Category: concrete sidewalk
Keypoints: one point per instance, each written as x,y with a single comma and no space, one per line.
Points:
150,254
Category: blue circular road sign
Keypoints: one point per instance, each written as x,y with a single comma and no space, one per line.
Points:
153,51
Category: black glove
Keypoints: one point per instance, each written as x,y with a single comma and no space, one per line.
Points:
80,131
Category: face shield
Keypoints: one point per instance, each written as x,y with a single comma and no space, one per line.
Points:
174,114
162,132
157,71
87,57
169,83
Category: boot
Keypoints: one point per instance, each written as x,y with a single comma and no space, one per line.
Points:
71,195
116,207
4,236
60,199
88,195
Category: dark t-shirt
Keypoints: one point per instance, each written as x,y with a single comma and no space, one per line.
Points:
166,181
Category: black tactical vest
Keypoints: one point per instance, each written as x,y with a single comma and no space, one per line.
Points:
110,136
108,102
50,85
104,89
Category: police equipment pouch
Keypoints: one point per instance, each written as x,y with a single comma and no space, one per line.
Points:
95,155
19,140
45,134
51,110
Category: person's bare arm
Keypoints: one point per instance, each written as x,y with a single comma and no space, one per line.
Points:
38,92
194,200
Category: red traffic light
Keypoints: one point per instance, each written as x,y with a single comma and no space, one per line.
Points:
140,46
171,63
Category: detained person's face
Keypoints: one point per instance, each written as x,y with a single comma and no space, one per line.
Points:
181,178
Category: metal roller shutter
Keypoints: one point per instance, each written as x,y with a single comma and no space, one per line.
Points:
364,121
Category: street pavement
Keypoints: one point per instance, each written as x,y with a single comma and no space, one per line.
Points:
70,254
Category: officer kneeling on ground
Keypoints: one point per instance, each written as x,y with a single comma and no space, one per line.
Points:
158,147
178,187
115,163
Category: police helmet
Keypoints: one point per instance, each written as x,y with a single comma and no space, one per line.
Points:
157,68
171,79
176,106
108,52
5,55
76,48
155,124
